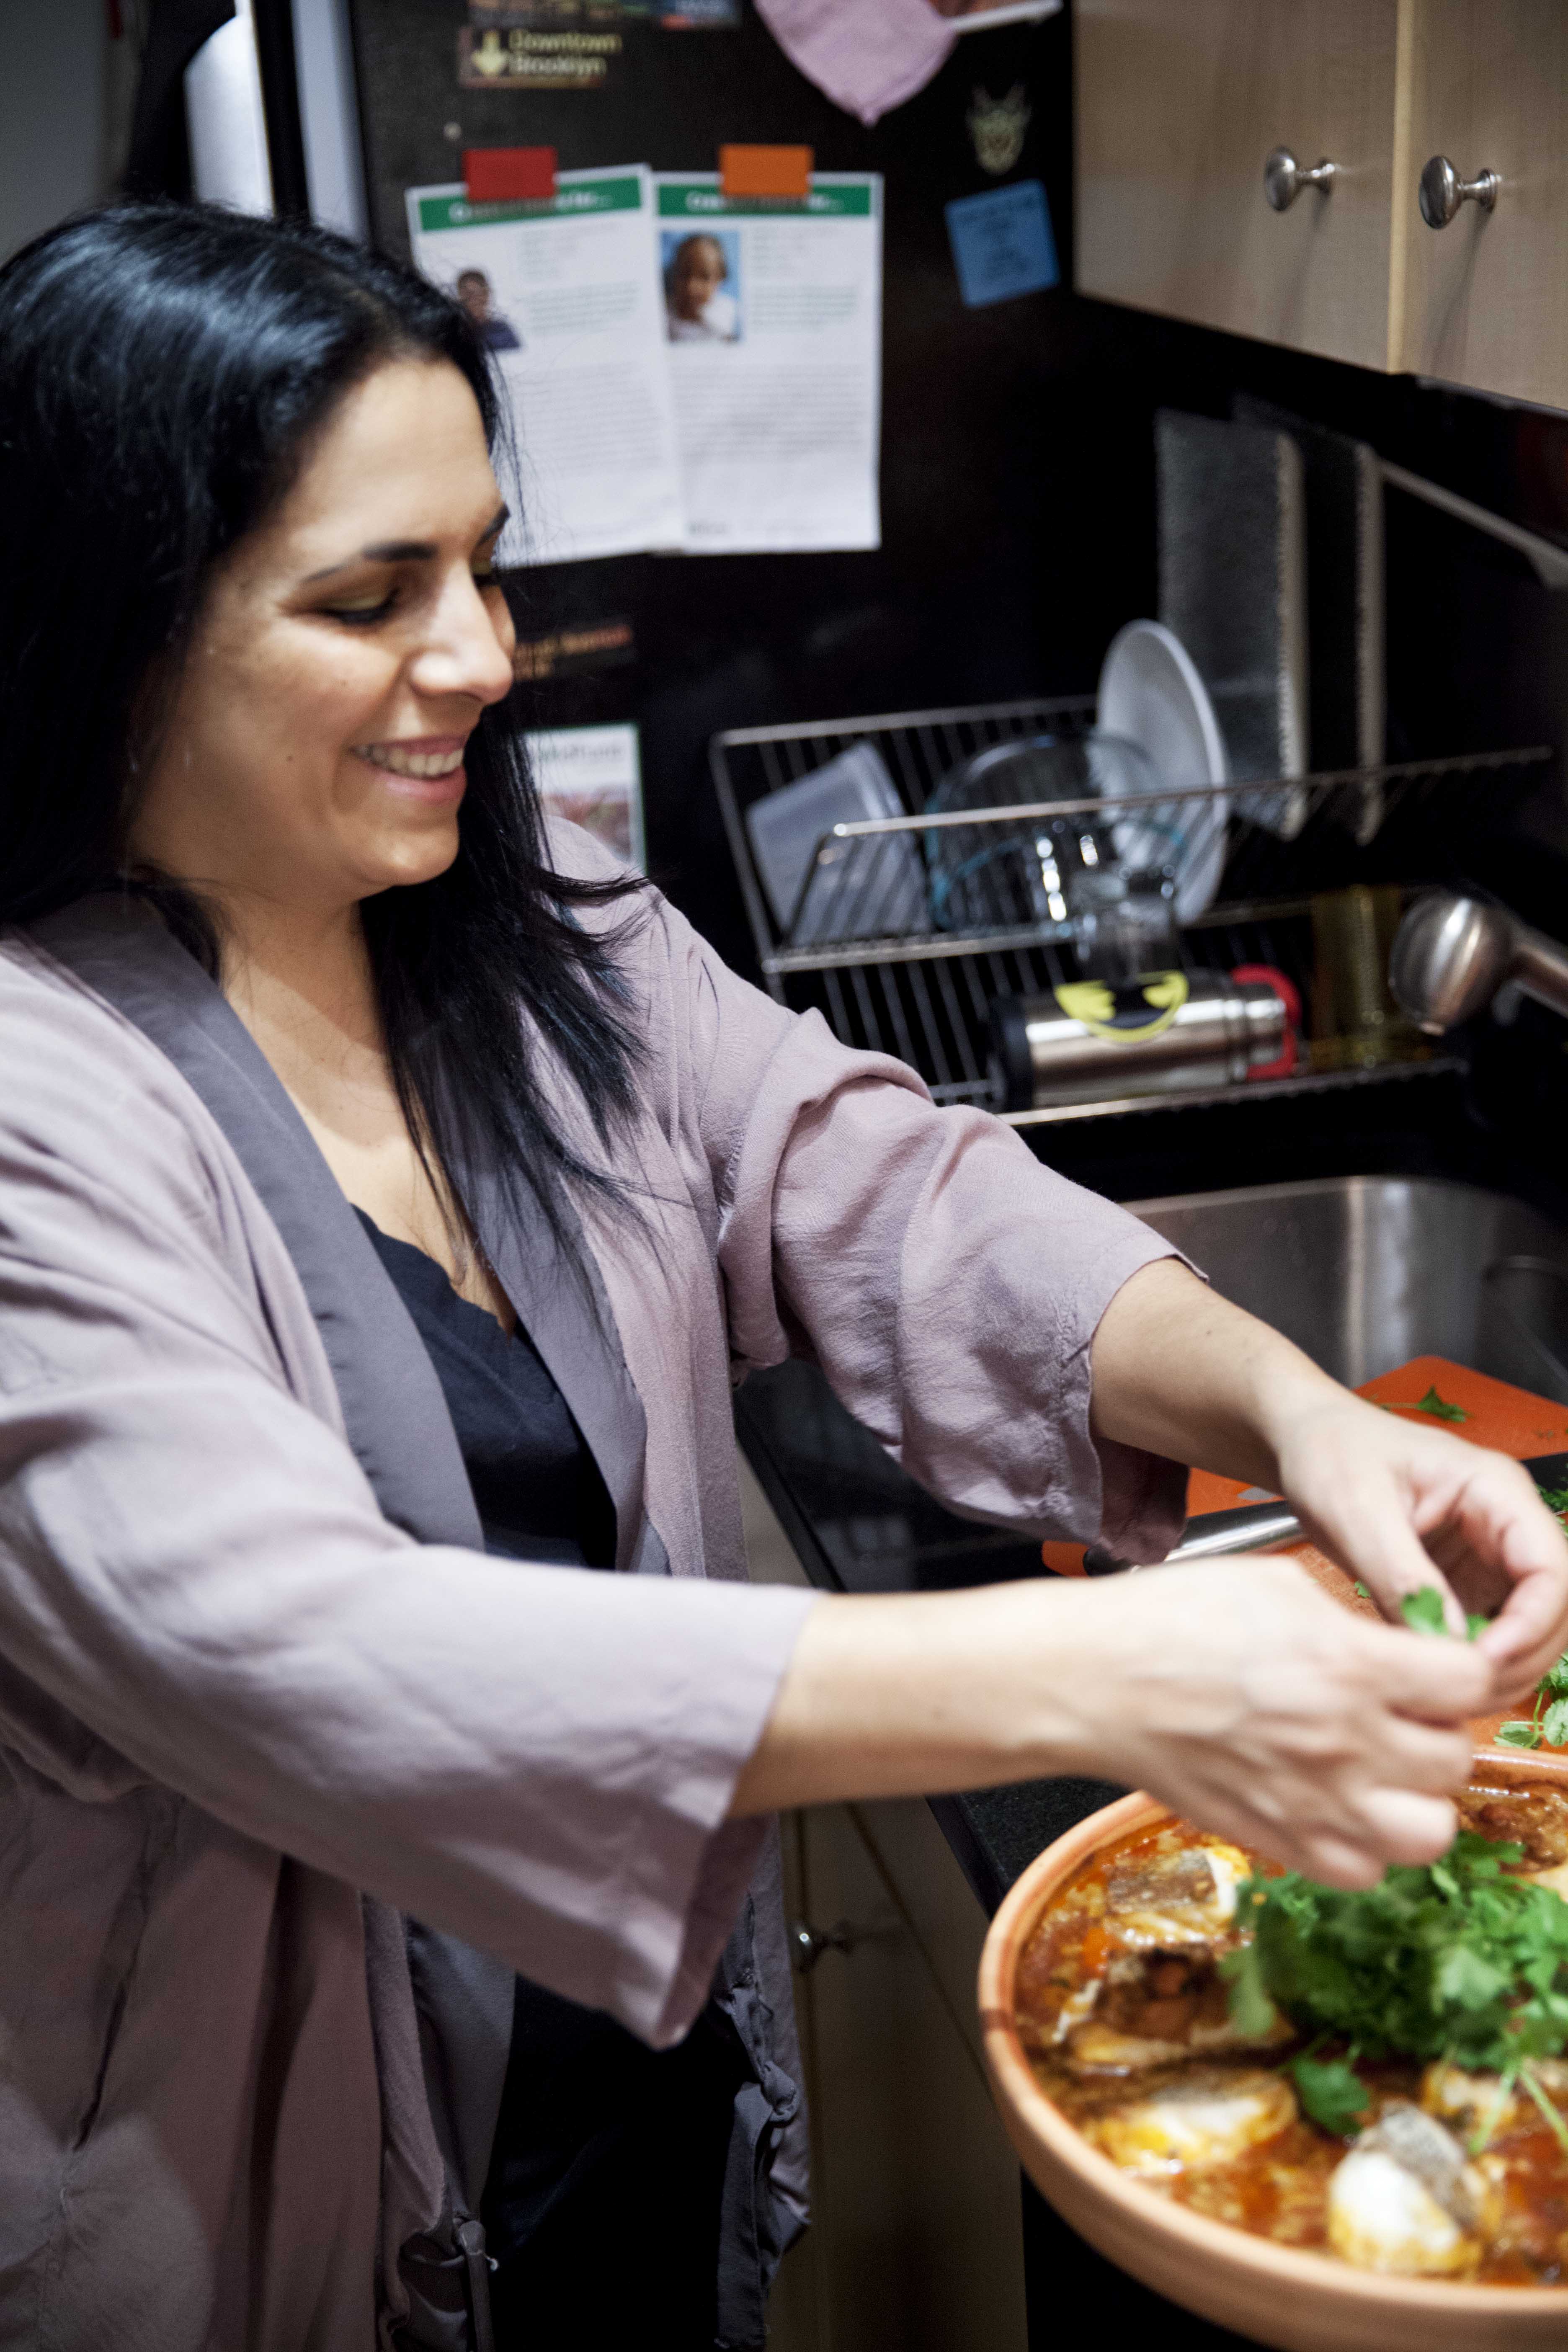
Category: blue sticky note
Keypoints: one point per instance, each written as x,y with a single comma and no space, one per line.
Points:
1001,244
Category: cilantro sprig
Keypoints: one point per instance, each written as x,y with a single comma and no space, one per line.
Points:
1332,2093
1456,1959
1438,1407
1548,1725
1422,1613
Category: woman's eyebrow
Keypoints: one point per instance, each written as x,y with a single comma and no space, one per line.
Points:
401,550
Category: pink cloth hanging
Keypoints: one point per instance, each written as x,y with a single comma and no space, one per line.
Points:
867,55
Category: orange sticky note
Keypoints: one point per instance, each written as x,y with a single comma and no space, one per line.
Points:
506,176
765,171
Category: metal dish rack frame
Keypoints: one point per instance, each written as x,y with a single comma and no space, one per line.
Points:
925,995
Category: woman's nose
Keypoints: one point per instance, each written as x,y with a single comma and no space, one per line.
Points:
465,652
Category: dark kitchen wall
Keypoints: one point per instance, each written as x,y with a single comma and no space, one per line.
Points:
1017,465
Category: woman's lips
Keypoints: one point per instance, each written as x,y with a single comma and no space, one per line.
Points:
426,768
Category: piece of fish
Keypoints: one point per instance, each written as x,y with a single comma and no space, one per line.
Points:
1406,2201
1207,2120
1167,1902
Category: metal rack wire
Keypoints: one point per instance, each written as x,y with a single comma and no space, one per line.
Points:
909,987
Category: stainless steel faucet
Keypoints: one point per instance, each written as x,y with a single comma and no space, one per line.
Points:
1451,956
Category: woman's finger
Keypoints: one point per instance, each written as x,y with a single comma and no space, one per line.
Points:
1373,1539
1433,1680
1499,1517
1405,1827
1420,1756
1528,1636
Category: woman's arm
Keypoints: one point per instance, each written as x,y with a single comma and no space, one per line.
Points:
1235,1690
1181,1372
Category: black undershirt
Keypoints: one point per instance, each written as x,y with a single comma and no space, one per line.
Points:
602,2207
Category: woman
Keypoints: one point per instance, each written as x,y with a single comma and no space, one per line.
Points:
385,1194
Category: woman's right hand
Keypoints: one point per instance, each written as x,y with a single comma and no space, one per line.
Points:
1234,1690
1241,1695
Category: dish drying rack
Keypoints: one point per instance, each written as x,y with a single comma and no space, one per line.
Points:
925,994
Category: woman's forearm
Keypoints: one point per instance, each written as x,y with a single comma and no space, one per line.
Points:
896,1694
1237,1691
1180,1370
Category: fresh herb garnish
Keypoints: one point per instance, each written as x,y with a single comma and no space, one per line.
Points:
1423,1610
1252,2012
1422,1613
1331,2093
1548,1726
1438,1407
1457,1959
1363,1592
1559,2128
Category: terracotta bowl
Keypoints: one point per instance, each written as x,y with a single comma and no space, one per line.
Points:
1277,2294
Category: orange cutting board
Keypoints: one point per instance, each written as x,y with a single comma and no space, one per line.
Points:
1509,1420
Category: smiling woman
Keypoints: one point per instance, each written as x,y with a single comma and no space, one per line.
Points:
390,1191
314,758
350,630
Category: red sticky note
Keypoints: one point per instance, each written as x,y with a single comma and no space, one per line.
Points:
765,171
505,176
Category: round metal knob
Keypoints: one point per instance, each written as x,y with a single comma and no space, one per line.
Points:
810,1943
1284,178
1450,956
1443,191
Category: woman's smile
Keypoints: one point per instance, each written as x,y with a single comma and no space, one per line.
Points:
425,767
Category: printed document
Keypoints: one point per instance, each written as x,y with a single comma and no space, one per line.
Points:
566,292
593,776
773,323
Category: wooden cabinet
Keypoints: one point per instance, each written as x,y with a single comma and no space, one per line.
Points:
1179,102
1485,299
918,2243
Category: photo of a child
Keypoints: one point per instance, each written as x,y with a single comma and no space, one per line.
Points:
701,286
473,291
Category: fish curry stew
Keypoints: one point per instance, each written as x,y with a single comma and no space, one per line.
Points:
1378,2078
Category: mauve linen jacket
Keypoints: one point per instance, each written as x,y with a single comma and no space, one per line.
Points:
263,1699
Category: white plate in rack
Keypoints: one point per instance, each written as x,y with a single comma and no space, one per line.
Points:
1149,690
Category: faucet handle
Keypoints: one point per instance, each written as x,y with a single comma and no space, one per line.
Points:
1451,955
1449,958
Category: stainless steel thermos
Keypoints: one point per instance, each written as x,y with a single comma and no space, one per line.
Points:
1092,1041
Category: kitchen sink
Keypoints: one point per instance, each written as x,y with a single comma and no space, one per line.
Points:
1364,1272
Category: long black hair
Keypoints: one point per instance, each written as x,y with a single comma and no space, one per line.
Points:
162,370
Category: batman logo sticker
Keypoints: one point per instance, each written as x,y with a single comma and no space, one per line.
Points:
1126,1010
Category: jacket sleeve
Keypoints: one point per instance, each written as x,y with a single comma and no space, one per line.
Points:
197,1590
947,1284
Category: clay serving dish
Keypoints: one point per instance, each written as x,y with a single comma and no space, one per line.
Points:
1280,2295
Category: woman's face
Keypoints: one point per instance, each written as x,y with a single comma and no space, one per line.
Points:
699,274
314,753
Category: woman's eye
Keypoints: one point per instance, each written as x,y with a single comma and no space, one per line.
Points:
359,617
488,578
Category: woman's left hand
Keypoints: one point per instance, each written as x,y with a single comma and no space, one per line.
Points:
1399,1506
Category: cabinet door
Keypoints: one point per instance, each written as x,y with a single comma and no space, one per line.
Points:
1179,103
1485,299
919,2235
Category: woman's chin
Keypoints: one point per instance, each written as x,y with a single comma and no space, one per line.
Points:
418,855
